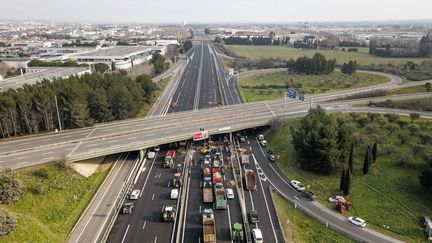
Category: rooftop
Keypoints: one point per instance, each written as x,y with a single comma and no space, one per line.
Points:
117,51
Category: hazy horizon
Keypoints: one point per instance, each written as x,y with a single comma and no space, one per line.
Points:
195,11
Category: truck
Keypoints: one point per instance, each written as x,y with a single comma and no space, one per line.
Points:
217,176
221,197
169,159
207,171
245,159
237,232
217,162
207,191
169,213
209,226
250,180
177,180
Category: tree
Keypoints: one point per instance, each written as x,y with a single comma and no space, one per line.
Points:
101,67
187,45
374,152
11,188
351,158
425,138
428,86
158,66
349,68
347,183
406,159
366,162
342,181
413,129
403,137
315,141
8,222
414,116
392,127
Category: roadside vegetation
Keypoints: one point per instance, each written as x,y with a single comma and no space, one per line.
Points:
54,199
303,228
161,85
270,86
424,104
390,195
410,90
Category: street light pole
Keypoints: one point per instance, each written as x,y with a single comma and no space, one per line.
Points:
58,114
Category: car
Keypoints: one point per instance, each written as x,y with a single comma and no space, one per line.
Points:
272,157
253,216
151,155
242,139
174,193
156,148
263,143
222,170
309,195
134,194
230,193
257,235
260,137
297,185
334,199
357,221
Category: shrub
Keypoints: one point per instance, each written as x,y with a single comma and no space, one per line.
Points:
8,222
11,189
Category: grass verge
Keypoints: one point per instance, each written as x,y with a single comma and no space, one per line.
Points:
271,86
409,90
302,227
390,195
51,215
424,104
285,53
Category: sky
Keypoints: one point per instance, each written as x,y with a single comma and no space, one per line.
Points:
220,11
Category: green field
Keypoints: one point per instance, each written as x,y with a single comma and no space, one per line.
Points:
303,228
409,90
51,216
285,53
271,86
389,195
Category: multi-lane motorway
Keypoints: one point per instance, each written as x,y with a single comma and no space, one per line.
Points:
197,83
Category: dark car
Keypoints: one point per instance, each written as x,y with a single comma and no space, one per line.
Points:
272,157
309,195
253,216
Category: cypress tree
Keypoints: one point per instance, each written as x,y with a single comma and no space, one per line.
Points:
366,163
374,152
351,158
342,181
347,183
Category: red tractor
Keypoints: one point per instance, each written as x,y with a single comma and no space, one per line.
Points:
343,205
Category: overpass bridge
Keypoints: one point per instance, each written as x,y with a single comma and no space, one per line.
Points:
137,134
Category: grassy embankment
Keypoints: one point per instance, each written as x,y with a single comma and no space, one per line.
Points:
51,215
270,86
143,112
424,104
285,53
390,195
303,228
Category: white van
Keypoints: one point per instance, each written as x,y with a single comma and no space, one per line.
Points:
151,155
260,137
174,194
134,194
257,236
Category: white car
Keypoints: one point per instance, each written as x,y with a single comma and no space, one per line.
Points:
151,155
134,194
174,193
335,198
357,221
156,148
263,143
230,193
257,236
297,185
260,137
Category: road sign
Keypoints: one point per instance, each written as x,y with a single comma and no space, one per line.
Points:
201,135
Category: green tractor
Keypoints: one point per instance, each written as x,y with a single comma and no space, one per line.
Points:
237,232
169,213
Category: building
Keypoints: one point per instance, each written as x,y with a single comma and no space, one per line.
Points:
121,57
38,74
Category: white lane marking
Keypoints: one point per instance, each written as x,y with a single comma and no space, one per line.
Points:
265,200
4,146
155,240
148,175
145,222
47,153
153,196
124,236
162,209
229,221
200,208
132,138
92,145
49,158
169,183
24,157
67,136
25,143
22,163
112,141
296,198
